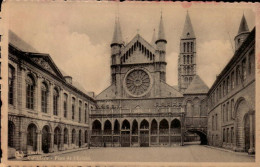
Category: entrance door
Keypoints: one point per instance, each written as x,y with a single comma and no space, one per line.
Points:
247,133
46,139
144,138
125,139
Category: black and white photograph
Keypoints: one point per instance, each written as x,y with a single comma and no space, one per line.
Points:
131,82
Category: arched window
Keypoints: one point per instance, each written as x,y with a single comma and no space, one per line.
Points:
65,105
11,133
80,105
73,108
191,46
55,101
184,59
184,47
30,88
44,94
188,59
190,79
188,47
191,59
11,71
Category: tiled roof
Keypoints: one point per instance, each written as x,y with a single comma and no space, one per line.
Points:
197,86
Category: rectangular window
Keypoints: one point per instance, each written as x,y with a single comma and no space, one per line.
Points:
73,108
238,74
29,96
213,123
227,88
86,113
232,108
80,103
10,85
227,135
227,111
232,80
65,105
224,138
44,101
216,122
244,69
232,135
223,113
224,87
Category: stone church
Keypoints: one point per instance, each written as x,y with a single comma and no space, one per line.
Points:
139,108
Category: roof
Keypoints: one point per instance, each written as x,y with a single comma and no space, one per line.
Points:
243,25
250,39
161,33
42,60
188,29
117,37
19,43
153,39
197,86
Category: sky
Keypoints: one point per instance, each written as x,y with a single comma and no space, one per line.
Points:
77,35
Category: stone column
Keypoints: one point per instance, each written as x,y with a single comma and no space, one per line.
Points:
38,95
149,134
51,99
182,129
158,133
251,149
62,140
60,104
130,136
39,139
170,134
138,135
52,142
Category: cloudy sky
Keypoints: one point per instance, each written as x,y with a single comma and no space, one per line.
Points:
78,35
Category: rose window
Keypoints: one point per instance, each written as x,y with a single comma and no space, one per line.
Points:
137,82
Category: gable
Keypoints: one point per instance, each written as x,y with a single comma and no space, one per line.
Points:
46,63
108,93
169,91
197,86
138,51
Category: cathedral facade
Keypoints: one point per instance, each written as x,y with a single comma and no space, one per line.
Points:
139,108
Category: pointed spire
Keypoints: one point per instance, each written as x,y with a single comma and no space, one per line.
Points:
188,29
153,38
243,25
161,34
117,37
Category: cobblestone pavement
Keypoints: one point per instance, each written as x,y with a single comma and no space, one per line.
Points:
189,153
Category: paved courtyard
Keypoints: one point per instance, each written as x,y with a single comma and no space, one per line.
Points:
189,153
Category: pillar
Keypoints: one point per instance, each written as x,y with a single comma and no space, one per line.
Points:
130,136
149,134
39,142
170,134
158,134
62,140
138,135
251,117
52,142
182,129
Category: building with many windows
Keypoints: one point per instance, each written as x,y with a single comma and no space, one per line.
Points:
48,111
139,108
231,99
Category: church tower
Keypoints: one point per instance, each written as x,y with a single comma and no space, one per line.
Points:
161,50
242,34
116,46
187,56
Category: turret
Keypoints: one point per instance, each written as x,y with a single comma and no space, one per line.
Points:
242,34
116,45
161,50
